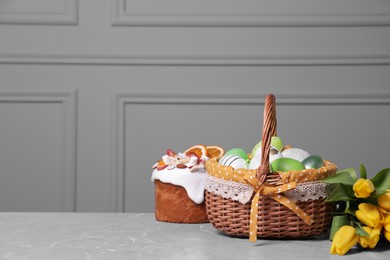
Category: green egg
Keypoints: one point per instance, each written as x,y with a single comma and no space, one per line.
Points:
257,146
275,142
313,162
286,164
238,152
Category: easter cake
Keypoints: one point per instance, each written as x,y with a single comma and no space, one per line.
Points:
180,180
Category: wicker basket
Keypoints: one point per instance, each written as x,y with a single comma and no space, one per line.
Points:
269,213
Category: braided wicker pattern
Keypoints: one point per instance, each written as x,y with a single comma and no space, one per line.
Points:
274,219
269,130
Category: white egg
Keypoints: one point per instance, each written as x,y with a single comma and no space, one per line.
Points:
295,153
234,161
256,159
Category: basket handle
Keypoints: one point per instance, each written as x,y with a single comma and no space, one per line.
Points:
269,130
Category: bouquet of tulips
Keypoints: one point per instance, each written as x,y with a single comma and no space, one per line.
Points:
362,209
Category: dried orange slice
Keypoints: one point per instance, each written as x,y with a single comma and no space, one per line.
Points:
160,165
214,151
199,150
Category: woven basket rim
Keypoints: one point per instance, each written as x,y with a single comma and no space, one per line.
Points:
300,176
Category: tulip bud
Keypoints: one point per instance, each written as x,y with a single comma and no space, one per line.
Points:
363,188
372,239
385,216
344,239
386,230
387,227
368,214
384,200
387,235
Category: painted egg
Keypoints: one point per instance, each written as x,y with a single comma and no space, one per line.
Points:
286,164
256,159
238,152
296,154
313,161
276,143
234,161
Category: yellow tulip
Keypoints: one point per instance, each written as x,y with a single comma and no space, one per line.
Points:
363,188
387,227
384,216
373,237
368,214
386,231
344,239
387,235
384,200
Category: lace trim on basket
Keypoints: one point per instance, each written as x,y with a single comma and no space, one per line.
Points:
243,192
309,191
229,189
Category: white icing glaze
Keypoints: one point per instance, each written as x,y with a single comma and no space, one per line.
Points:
193,182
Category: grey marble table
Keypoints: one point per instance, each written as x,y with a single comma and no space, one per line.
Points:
138,236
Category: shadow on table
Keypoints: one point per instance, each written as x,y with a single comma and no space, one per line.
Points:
266,241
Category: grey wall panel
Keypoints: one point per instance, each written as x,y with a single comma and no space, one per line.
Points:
37,152
94,40
347,134
249,13
129,60
57,12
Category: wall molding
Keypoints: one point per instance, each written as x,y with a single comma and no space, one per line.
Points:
121,99
68,15
254,98
122,17
196,60
69,117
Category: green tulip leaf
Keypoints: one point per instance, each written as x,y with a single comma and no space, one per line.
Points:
337,223
352,173
359,230
363,172
351,207
342,177
381,182
370,200
341,193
